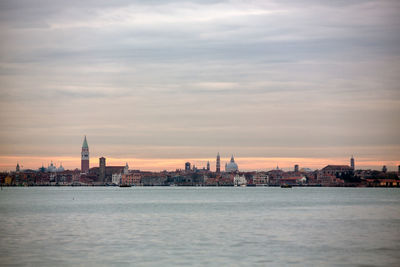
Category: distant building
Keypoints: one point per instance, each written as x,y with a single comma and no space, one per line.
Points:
296,168
305,170
116,178
208,166
333,175
126,169
42,169
187,166
51,168
260,179
336,169
274,176
384,169
352,163
17,169
398,169
61,168
239,180
102,169
131,179
231,166
85,157
218,168
104,173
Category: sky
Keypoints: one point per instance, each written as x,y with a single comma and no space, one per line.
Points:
157,83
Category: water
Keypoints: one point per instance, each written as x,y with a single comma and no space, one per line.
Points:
225,226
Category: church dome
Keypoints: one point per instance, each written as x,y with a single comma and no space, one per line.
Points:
231,166
51,168
61,168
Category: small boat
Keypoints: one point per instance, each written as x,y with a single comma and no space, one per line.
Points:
286,186
124,185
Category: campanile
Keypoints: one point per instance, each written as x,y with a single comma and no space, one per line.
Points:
85,157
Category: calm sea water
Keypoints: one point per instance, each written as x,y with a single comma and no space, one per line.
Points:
225,226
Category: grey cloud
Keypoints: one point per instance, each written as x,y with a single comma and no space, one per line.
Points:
313,74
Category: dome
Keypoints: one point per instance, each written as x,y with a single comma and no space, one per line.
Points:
52,168
61,168
231,166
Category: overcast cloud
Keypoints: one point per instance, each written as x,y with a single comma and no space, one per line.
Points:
185,79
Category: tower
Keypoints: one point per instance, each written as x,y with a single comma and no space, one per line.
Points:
17,169
352,162
126,169
218,170
85,157
208,166
296,168
187,166
102,169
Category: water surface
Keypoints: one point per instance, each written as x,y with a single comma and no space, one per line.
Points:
216,226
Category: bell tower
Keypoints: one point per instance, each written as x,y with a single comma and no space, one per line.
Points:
218,169
85,157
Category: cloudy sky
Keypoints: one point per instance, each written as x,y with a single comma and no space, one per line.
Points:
156,83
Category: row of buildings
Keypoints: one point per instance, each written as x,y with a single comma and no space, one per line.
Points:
331,175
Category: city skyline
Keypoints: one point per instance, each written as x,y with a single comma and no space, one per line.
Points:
160,83
250,164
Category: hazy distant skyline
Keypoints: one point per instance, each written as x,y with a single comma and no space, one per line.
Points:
157,83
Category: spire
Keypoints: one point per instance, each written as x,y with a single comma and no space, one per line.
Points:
232,159
218,165
85,145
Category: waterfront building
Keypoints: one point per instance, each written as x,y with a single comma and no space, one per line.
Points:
383,182
116,178
293,180
260,179
231,166
104,173
274,176
8,180
131,179
85,157
336,169
333,175
218,168
239,180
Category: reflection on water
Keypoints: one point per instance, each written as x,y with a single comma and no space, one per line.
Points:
200,226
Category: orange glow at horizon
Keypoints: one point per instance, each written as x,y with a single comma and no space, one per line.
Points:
159,164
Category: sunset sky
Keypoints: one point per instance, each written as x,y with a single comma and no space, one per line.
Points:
157,83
